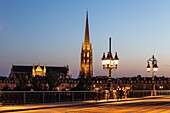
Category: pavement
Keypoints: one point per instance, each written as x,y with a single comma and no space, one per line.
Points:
14,108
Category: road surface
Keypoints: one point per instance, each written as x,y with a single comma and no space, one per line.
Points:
149,105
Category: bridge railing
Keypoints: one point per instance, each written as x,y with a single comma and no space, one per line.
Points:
163,92
142,93
37,97
138,93
40,97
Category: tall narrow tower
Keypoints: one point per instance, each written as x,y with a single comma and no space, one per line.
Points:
86,54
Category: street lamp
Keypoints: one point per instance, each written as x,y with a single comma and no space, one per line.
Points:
153,68
110,63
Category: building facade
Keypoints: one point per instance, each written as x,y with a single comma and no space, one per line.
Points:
22,71
7,84
133,83
86,66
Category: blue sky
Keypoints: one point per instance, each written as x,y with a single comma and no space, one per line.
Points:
51,32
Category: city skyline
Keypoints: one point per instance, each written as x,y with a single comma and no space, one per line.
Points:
52,32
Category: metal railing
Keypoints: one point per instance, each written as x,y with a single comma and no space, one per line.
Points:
40,97
142,93
37,97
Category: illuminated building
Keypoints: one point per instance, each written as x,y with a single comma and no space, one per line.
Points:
135,83
86,54
39,71
10,84
23,71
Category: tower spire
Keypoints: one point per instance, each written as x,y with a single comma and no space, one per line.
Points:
86,37
86,54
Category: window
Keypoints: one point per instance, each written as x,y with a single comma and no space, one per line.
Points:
88,54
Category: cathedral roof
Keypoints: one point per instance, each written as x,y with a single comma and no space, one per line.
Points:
19,68
28,69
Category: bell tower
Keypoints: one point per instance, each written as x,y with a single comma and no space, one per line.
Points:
86,69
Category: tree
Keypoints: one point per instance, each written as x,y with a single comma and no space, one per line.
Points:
36,83
53,80
83,85
22,78
6,88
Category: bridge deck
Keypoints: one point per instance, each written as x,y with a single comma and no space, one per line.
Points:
120,105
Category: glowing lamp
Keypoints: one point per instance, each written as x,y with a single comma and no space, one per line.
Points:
148,67
155,67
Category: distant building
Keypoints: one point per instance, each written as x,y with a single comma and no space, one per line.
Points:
86,54
67,84
18,71
10,84
134,83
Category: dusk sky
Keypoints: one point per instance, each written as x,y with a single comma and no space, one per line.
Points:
51,32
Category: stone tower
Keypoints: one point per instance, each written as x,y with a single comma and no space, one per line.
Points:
86,54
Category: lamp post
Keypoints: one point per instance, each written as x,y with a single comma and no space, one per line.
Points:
110,63
153,68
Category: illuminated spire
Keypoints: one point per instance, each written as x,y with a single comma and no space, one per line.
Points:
44,70
86,37
33,70
86,54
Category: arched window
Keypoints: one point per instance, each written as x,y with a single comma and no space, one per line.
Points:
88,54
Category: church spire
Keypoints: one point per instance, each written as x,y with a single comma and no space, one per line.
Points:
86,54
86,37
